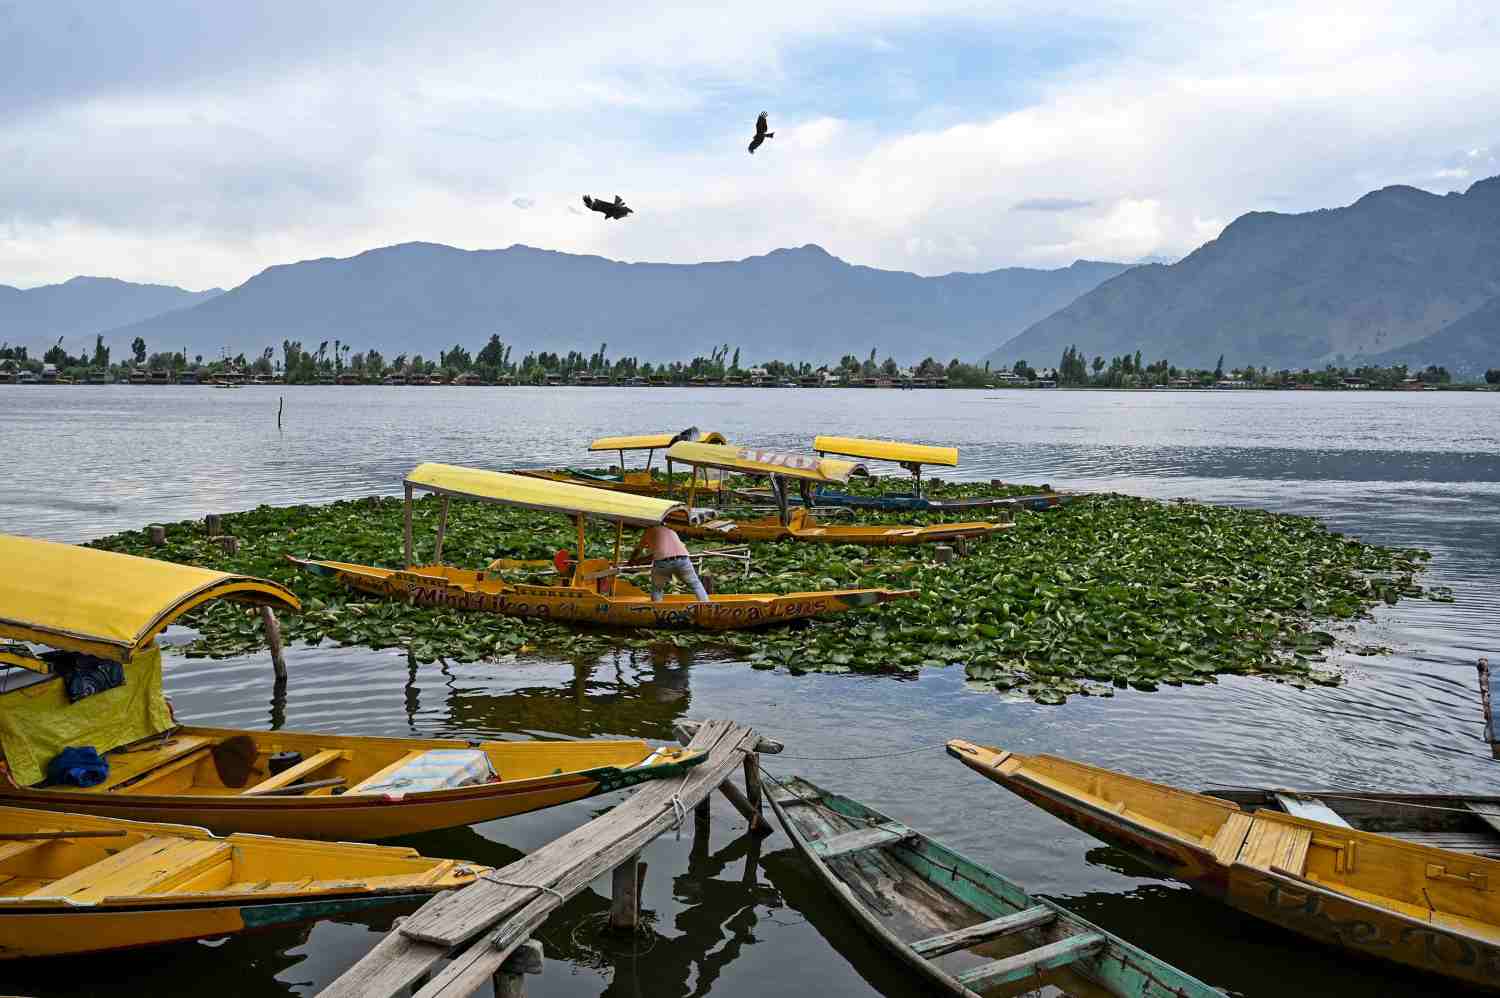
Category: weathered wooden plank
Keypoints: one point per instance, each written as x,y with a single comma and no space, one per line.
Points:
863,838
1023,965
685,730
1006,925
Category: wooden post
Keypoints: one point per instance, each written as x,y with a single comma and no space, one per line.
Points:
230,545
625,904
758,823
942,553
437,552
408,526
272,629
158,534
702,818
510,979
213,524
1484,699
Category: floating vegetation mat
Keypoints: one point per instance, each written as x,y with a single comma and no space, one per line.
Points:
1107,592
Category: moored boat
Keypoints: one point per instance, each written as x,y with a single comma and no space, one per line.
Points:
1370,893
965,928
74,883
913,457
640,481
101,613
591,590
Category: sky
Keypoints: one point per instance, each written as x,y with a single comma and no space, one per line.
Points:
196,144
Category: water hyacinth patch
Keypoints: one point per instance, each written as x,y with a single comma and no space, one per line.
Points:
1107,592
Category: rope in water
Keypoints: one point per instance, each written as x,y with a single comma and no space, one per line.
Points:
862,758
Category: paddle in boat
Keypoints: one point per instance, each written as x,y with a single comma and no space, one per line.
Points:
1381,895
641,481
74,883
101,688
593,591
913,457
808,471
965,928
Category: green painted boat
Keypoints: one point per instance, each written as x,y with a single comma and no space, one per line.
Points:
967,929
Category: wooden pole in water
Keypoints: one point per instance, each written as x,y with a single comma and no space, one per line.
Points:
625,906
758,823
212,524
158,534
408,526
437,552
280,401
510,979
272,629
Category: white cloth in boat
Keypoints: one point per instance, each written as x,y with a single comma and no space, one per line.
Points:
435,769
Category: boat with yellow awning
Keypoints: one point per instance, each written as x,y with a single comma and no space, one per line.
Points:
913,457
96,608
592,589
808,471
1380,891
76,883
640,481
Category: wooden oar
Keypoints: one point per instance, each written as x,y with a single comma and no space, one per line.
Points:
89,834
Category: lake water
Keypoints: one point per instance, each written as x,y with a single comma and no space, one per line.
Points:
733,919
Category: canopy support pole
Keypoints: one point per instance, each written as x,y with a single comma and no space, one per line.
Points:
272,629
650,456
407,530
619,540
437,551
693,491
579,520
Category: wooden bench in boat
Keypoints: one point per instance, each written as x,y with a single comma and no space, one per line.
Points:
296,774
1052,956
874,837
1027,918
146,867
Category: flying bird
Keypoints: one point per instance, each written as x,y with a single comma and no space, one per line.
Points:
609,209
761,124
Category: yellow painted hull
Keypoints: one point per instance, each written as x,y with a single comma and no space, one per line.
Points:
1427,908
439,585
179,783
124,884
805,528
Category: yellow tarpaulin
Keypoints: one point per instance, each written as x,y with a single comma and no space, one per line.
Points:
887,450
541,493
107,604
649,441
37,722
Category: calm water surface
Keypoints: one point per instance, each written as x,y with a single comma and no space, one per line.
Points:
733,918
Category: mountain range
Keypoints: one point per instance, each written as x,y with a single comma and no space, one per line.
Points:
75,310
1400,275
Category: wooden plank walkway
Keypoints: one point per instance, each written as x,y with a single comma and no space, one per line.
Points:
512,902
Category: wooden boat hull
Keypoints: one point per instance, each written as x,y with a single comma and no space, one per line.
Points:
803,528
178,783
1427,908
898,502
115,885
909,891
640,483
459,589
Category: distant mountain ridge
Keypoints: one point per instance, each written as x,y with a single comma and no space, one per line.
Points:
1383,277
77,309
792,304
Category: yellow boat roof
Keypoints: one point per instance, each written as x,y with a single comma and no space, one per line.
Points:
541,493
107,604
887,450
649,441
752,461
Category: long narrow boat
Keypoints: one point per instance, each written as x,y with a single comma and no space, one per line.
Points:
92,605
965,928
798,524
74,883
642,481
1428,908
594,592
913,457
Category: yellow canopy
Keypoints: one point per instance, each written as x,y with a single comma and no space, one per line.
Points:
887,450
649,441
106,604
541,493
750,461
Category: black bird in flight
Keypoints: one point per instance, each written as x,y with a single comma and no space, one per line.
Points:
761,124
609,209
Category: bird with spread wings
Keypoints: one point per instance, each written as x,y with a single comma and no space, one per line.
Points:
761,124
611,210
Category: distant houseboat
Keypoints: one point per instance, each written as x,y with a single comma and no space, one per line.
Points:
160,377
188,378
348,378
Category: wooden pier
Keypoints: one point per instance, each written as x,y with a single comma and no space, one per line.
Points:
486,926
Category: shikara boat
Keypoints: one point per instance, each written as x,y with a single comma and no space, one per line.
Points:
798,524
965,928
1370,893
96,606
913,457
73,883
593,592
642,481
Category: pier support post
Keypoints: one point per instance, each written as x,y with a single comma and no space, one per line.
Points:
158,534
213,524
625,906
230,545
758,823
272,628
510,979
942,553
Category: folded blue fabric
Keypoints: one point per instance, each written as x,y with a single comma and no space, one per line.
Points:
79,766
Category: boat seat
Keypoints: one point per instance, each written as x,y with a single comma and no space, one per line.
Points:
10,850
146,867
874,837
295,774
1226,844
1310,808
131,763
1010,969
1006,925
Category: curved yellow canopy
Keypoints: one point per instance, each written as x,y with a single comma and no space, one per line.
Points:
542,494
752,461
649,441
887,450
107,604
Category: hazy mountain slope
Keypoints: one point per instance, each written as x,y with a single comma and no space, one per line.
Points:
793,304
1287,290
1467,347
77,309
